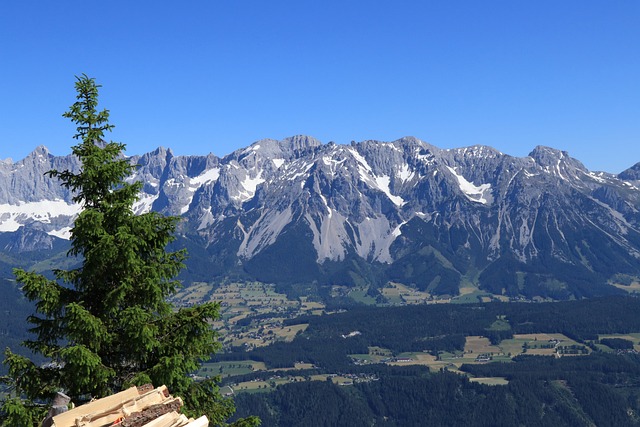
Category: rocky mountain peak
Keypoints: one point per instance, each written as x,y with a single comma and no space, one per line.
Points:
40,150
155,161
631,174
300,143
38,156
295,210
547,156
558,163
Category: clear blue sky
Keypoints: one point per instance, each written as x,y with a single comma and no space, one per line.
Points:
216,75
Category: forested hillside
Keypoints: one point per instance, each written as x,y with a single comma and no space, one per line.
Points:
600,390
599,385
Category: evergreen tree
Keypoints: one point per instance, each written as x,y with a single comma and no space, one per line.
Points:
107,325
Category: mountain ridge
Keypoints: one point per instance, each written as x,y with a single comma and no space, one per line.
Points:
372,211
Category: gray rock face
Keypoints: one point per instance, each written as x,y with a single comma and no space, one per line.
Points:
631,174
26,180
30,238
405,210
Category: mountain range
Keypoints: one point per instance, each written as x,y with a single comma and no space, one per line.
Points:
308,215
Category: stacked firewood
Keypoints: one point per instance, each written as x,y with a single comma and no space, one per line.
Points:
135,407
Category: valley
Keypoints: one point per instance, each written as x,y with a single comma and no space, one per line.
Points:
283,351
255,319
253,314
369,275
572,345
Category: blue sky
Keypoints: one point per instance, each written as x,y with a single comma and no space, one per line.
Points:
214,76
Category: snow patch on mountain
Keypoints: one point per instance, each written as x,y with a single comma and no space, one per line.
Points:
475,193
364,166
397,232
211,175
383,184
206,177
428,158
63,233
599,177
247,188
13,217
378,182
144,203
405,174
326,204
333,164
250,185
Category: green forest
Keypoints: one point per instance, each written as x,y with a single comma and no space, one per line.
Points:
601,388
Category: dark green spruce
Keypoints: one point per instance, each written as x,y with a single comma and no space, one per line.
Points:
107,325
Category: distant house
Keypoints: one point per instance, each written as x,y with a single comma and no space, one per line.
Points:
484,358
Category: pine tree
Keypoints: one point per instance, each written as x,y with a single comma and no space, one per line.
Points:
107,325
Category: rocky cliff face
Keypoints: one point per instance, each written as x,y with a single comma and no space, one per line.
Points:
297,211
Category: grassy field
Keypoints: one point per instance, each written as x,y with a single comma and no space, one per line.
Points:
270,384
257,386
634,338
447,361
360,295
227,369
478,345
287,334
473,297
536,344
313,307
397,293
490,380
